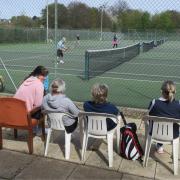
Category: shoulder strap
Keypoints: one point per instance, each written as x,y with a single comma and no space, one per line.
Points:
123,117
153,103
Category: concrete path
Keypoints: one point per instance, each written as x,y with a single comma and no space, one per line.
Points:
16,163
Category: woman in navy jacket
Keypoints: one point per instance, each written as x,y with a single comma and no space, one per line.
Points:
99,104
166,106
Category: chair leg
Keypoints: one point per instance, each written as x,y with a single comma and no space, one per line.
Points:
15,133
146,131
43,130
84,146
118,138
81,130
110,148
147,150
47,141
175,155
30,141
0,137
67,145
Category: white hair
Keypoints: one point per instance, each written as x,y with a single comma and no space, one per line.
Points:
64,39
58,86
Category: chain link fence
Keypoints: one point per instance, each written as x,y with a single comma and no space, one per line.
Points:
30,31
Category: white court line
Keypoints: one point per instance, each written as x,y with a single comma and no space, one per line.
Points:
149,75
22,70
115,73
169,65
100,77
124,79
30,57
46,67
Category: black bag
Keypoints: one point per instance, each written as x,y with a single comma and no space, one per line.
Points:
130,147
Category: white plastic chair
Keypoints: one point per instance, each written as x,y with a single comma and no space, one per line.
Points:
55,123
162,132
95,126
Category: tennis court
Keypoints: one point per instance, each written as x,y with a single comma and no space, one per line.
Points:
132,84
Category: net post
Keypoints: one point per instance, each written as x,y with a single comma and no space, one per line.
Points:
124,53
139,48
86,73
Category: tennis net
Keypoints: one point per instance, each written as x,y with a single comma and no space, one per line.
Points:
100,61
146,46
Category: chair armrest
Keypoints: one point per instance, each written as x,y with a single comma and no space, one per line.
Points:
37,114
56,112
33,111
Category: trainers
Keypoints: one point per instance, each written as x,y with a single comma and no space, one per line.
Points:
61,61
160,149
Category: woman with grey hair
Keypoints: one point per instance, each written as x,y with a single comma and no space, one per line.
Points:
56,101
166,106
99,103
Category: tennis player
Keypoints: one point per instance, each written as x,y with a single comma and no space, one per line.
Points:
77,39
61,48
115,41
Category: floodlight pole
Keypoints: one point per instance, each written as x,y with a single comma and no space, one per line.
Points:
47,22
102,9
55,39
55,23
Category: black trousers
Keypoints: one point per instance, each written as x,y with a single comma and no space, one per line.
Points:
71,128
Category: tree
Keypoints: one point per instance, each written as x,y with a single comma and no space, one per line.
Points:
145,20
163,21
22,21
62,16
119,7
175,17
36,21
79,15
93,18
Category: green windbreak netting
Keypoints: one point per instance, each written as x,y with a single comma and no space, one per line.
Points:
146,46
100,61
159,42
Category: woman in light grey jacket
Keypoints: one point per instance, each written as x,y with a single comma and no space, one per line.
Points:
56,101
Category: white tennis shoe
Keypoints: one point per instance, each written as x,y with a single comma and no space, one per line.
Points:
61,61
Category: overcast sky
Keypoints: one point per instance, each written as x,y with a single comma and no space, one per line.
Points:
9,8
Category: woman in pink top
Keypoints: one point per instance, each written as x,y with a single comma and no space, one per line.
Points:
31,90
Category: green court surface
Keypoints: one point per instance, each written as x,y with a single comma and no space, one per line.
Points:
131,84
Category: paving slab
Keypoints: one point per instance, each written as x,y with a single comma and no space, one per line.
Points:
132,177
22,146
99,156
11,163
46,168
164,170
136,168
92,173
57,147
